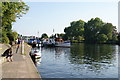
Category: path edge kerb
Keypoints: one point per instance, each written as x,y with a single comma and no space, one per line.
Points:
27,54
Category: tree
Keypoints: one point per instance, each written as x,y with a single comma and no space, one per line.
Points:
3,37
44,35
12,36
92,29
98,31
11,11
114,33
102,38
75,29
107,29
118,38
15,34
59,35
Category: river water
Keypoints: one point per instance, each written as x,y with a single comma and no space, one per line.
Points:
79,61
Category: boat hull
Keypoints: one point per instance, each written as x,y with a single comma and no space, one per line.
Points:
63,45
48,45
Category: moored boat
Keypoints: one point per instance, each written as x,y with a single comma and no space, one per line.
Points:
63,44
57,42
48,42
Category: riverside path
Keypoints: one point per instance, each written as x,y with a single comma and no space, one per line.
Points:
22,66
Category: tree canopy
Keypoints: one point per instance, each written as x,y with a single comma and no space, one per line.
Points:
93,31
75,29
11,11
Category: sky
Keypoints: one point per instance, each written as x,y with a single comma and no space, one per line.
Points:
43,17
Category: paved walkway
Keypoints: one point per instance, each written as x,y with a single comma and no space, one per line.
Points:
21,67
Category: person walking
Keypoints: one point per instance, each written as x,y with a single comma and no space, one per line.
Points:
18,44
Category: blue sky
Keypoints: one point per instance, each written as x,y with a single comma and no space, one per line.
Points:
46,16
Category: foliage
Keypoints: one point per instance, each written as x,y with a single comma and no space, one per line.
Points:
75,29
12,35
44,35
118,38
79,38
15,35
98,31
92,29
102,38
11,11
109,30
3,37
0,35
114,33
95,30
57,35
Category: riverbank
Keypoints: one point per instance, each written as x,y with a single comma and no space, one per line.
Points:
109,42
21,67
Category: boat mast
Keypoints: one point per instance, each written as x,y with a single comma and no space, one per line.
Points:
53,33
38,34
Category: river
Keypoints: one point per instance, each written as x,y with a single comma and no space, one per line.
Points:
79,61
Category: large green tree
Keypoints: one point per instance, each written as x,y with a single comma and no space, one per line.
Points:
92,29
110,31
11,11
76,29
98,31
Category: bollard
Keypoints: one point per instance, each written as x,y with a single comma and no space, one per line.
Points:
22,46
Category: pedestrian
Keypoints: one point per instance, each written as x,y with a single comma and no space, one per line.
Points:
16,41
9,55
18,44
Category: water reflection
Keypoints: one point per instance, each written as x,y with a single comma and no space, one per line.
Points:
80,61
94,57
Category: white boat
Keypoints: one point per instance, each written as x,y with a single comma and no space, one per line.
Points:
62,44
36,53
48,42
58,42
